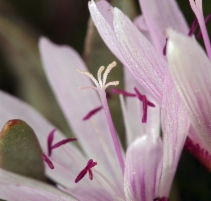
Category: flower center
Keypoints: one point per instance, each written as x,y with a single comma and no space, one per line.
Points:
90,164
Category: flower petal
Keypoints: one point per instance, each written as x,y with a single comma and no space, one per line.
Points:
18,188
175,126
142,170
159,16
60,63
130,46
191,71
140,23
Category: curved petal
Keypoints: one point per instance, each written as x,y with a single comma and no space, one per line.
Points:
191,71
159,16
60,64
18,188
142,169
175,126
130,46
140,23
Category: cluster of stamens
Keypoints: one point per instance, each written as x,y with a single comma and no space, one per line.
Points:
100,82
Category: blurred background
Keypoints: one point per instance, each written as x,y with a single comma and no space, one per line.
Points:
67,22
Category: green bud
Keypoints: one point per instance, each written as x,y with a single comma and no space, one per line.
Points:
20,151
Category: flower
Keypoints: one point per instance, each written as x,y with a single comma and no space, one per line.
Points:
110,177
146,171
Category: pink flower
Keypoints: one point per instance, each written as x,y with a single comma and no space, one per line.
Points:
103,171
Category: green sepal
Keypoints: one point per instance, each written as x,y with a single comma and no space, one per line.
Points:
20,151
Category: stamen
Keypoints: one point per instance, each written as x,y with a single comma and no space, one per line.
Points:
90,164
58,144
202,155
47,160
207,20
193,27
145,103
144,117
92,112
50,141
122,92
164,48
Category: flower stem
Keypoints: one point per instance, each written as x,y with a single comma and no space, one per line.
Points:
112,129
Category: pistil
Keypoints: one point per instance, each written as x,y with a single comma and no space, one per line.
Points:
100,87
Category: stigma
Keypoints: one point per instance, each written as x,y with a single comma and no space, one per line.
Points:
100,82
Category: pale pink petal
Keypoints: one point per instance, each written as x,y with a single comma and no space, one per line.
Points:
191,71
142,170
140,23
19,188
60,64
130,46
145,63
175,126
159,15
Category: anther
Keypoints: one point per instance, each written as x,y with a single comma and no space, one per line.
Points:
122,92
48,161
164,48
90,164
145,103
92,112
101,82
58,144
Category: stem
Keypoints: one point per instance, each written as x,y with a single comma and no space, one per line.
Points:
112,129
